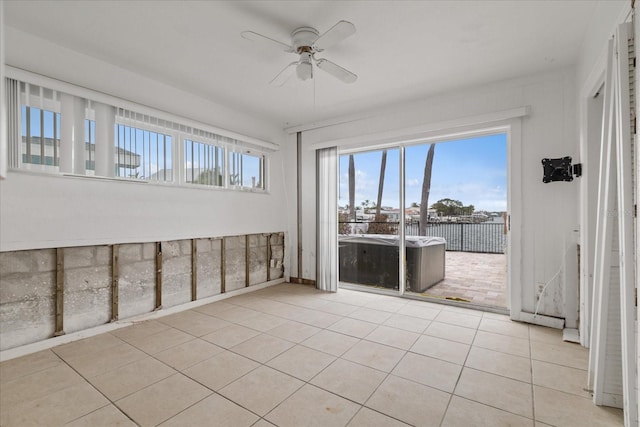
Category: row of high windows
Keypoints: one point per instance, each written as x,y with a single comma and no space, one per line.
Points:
149,150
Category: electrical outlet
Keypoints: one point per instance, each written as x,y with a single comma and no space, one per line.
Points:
540,287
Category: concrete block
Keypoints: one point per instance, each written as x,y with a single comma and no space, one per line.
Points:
258,265
233,282
82,256
16,262
148,251
277,252
22,287
235,264
137,288
27,261
170,249
185,247
176,274
234,242
86,307
258,254
277,239
87,278
103,255
277,272
26,322
45,259
26,297
208,273
255,239
87,293
176,290
176,266
205,245
130,252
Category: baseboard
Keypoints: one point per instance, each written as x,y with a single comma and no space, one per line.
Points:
301,281
539,319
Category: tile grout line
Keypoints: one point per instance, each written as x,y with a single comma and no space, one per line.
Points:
86,380
458,379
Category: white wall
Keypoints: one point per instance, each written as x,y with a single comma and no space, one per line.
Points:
590,76
49,211
3,101
549,210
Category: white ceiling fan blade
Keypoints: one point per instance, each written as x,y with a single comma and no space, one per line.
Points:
284,75
336,71
266,41
333,35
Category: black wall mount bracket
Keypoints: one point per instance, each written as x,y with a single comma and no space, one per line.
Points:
560,169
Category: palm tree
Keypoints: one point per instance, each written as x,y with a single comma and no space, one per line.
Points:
352,189
426,188
383,165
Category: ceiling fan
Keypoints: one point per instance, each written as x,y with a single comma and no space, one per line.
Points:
306,42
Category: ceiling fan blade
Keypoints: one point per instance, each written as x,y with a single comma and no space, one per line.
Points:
284,75
336,71
267,41
333,35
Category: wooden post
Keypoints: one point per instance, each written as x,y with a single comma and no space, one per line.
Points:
222,266
158,275
114,281
59,292
194,269
247,260
268,257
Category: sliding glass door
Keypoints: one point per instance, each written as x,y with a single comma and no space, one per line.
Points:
369,218
441,205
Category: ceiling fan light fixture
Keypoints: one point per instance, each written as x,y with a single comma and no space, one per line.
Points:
304,69
306,42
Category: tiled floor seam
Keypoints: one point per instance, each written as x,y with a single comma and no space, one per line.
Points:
495,407
499,375
458,379
459,376
98,409
204,398
111,402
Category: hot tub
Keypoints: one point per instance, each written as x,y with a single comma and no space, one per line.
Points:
372,259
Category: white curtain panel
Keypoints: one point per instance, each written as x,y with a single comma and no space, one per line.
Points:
327,227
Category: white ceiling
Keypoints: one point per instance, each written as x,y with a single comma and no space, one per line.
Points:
402,50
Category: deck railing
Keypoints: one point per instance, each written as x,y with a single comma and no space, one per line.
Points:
483,237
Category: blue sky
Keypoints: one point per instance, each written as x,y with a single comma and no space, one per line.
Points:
472,170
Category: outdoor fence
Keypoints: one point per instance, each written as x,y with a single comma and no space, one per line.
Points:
484,237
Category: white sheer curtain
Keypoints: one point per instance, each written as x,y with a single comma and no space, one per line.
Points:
327,227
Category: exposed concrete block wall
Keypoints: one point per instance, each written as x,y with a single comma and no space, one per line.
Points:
277,256
258,259
176,272
235,266
87,287
27,296
208,267
136,279
28,281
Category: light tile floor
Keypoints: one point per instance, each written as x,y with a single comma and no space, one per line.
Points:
290,355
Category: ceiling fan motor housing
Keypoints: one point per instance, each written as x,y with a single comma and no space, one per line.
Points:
303,39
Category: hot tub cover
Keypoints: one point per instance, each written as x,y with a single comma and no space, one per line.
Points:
392,240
